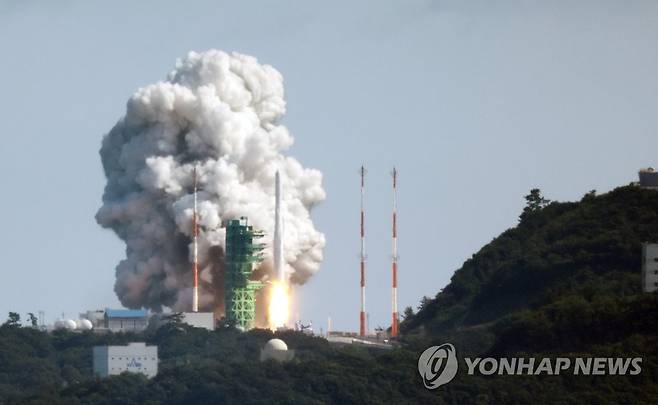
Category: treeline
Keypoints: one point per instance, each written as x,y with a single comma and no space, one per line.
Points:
200,366
589,249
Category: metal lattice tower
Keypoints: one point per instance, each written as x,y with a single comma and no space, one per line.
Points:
242,254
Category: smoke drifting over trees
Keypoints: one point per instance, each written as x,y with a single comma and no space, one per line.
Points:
219,112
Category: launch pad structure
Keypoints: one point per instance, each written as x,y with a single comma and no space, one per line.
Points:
242,255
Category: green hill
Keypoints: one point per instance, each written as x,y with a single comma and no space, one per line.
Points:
564,282
588,250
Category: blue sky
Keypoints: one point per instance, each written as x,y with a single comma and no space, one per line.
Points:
476,102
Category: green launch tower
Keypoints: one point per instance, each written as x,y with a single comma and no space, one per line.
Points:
242,254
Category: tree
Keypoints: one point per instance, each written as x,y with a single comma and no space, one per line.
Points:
175,318
590,195
534,202
424,302
407,313
13,320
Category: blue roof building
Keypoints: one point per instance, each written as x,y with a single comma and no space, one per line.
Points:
126,320
126,313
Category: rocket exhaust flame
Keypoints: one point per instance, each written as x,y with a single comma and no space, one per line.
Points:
279,308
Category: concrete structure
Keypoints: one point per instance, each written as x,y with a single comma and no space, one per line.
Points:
276,349
134,358
359,341
648,177
377,341
126,320
380,340
204,320
649,267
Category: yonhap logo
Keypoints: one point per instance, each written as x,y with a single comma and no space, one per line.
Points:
438,365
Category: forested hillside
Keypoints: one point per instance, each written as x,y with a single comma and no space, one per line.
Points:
588,250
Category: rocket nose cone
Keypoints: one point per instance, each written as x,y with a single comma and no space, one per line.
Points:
277,187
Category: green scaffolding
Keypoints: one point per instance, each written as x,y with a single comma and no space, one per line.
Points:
242,254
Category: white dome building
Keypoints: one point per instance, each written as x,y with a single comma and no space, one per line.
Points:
276,349
68,324
276,344
84,324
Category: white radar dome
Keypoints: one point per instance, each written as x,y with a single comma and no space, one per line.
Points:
84,324
276,344
65,324
70,324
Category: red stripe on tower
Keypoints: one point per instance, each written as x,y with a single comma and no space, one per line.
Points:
394,265
362,314
195,265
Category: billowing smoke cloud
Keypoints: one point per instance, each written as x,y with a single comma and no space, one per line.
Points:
220,112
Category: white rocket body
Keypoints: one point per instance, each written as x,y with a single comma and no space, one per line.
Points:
278,232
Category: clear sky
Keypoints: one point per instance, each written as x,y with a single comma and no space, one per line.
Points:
476,102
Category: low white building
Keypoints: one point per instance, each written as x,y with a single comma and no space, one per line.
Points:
205,320
133,358
649,267
648,177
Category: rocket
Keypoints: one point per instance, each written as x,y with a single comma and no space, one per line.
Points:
279,308
278,231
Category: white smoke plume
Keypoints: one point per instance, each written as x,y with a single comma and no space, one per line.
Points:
220,112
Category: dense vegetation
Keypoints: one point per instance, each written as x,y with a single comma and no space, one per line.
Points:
199,366
564,282
589,250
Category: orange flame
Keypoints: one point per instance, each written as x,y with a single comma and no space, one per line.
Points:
279,309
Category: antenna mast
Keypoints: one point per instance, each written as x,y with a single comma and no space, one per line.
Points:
394,265
362,314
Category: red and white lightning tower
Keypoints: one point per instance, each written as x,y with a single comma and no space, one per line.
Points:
394,266
362,314
195,265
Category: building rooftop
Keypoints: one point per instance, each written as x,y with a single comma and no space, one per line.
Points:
126,313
